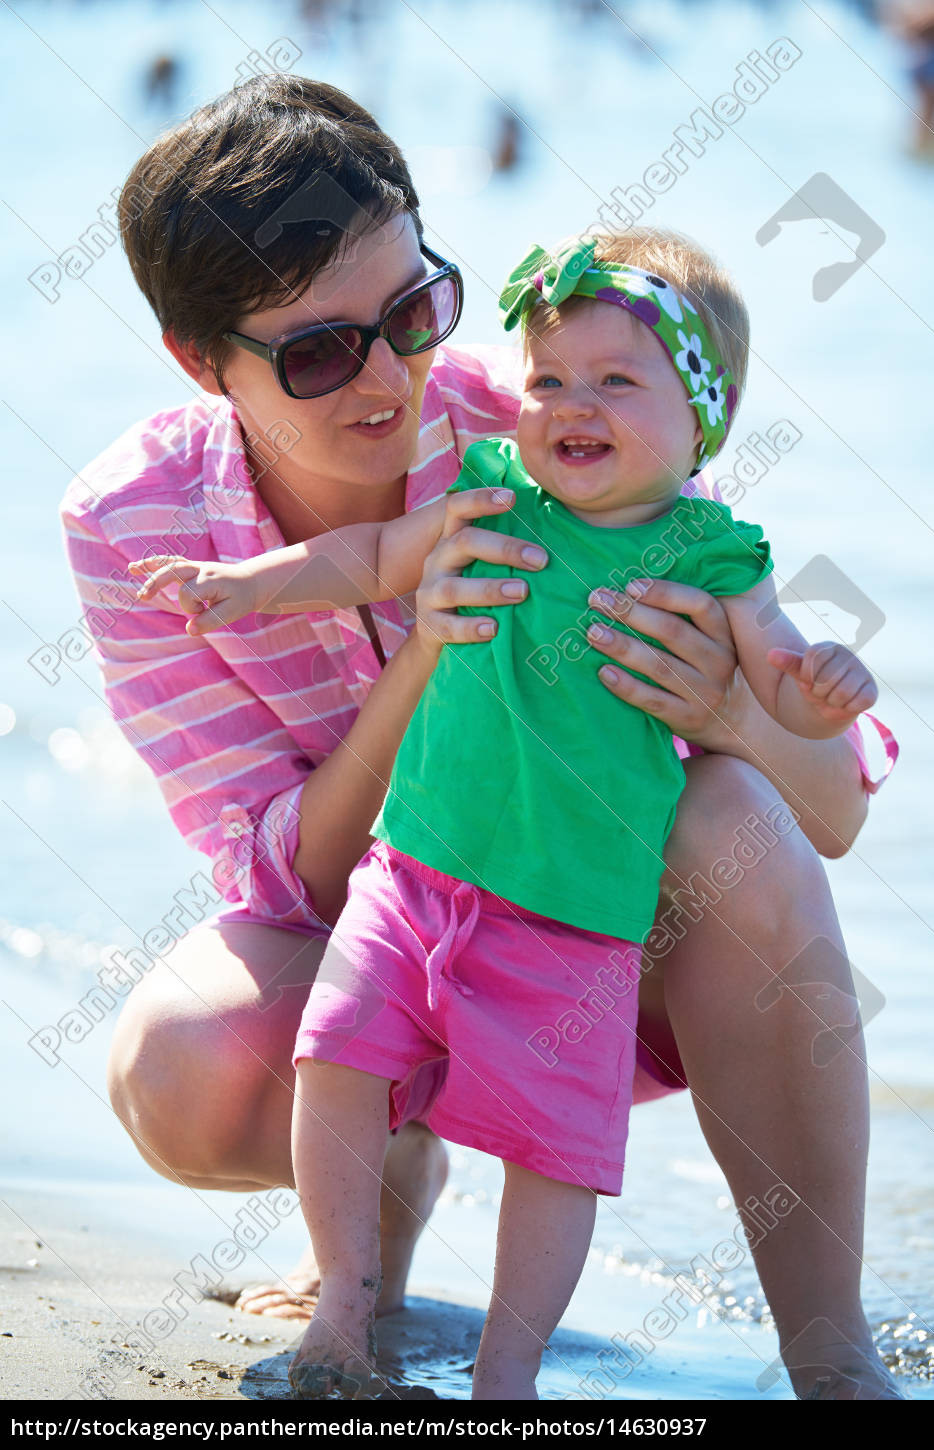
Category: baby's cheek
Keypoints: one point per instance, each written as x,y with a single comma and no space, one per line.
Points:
530,428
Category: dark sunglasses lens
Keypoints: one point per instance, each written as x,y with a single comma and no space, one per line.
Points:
424,317
327,360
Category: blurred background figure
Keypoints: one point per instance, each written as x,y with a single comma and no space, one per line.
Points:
506,152
588,9
914,22
161,81
321,14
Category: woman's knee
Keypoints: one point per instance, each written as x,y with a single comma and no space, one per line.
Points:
183,1074
736,845
156,1064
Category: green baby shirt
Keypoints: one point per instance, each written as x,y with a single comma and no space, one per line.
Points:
519,771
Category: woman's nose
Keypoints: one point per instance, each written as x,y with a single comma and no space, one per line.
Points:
384,371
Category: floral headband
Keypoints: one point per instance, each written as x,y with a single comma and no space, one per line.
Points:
571,270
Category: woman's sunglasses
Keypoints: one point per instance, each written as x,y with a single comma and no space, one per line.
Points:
322,358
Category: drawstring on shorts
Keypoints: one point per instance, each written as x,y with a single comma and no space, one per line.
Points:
464,911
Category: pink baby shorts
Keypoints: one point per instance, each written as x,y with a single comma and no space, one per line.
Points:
501,1029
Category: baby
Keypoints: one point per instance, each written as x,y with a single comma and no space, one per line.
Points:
495,922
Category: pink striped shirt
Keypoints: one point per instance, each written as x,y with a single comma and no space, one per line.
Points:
231,723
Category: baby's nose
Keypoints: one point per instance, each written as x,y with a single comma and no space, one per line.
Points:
575,404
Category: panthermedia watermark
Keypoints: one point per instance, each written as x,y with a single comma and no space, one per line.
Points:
186,531
814,976
77,259
754,77
819,200
121,970
254,1221
822,586
692,1289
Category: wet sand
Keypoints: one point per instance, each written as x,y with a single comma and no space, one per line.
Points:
78,1297
93,1246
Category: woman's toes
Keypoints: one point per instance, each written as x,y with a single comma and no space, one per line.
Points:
301,1309
278,1302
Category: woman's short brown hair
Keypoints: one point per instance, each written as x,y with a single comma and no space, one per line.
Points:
240,206
689,268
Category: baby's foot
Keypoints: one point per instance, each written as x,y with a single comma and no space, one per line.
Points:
336,1356
503,1376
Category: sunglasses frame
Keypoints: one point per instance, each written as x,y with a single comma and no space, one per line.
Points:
274,351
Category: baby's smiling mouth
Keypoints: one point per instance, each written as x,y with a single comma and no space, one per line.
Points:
581,449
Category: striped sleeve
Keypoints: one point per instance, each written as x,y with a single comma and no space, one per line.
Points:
230,772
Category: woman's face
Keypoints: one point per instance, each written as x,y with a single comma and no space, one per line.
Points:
333,443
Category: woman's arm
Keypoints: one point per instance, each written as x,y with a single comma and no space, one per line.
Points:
700,694
196,724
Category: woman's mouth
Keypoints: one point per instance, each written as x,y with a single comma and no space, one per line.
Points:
578,451
380,423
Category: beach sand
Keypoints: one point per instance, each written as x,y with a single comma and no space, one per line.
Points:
94,1245
79,1295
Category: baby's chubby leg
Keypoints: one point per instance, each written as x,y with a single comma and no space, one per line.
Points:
545,1228
340,1123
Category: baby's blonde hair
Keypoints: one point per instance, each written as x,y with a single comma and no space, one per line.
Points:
690,269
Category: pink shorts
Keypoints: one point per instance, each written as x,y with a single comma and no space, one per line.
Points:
659,1070
501,1029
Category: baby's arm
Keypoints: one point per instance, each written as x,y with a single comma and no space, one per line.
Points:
358,564
816,690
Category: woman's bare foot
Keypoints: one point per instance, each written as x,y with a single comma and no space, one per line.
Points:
337,1352
414,1174
294,1297
823,1368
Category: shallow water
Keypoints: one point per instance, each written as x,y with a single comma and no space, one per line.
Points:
92,858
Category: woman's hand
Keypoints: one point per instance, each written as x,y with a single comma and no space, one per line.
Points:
695,688
442,589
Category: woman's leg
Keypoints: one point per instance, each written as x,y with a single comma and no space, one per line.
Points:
232,996
780,1098
545,1228
339,1128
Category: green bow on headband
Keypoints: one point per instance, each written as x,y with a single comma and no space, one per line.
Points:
571,270
544,276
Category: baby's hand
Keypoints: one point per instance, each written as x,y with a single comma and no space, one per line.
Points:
831,678
214,594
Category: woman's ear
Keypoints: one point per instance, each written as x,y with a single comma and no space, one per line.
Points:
188,357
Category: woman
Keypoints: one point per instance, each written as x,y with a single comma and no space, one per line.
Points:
276,210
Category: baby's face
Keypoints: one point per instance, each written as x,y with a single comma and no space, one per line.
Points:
605,422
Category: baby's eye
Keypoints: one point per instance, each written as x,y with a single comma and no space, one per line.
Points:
546,381
614,379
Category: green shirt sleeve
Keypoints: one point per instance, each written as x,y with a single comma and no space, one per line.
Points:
733,556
